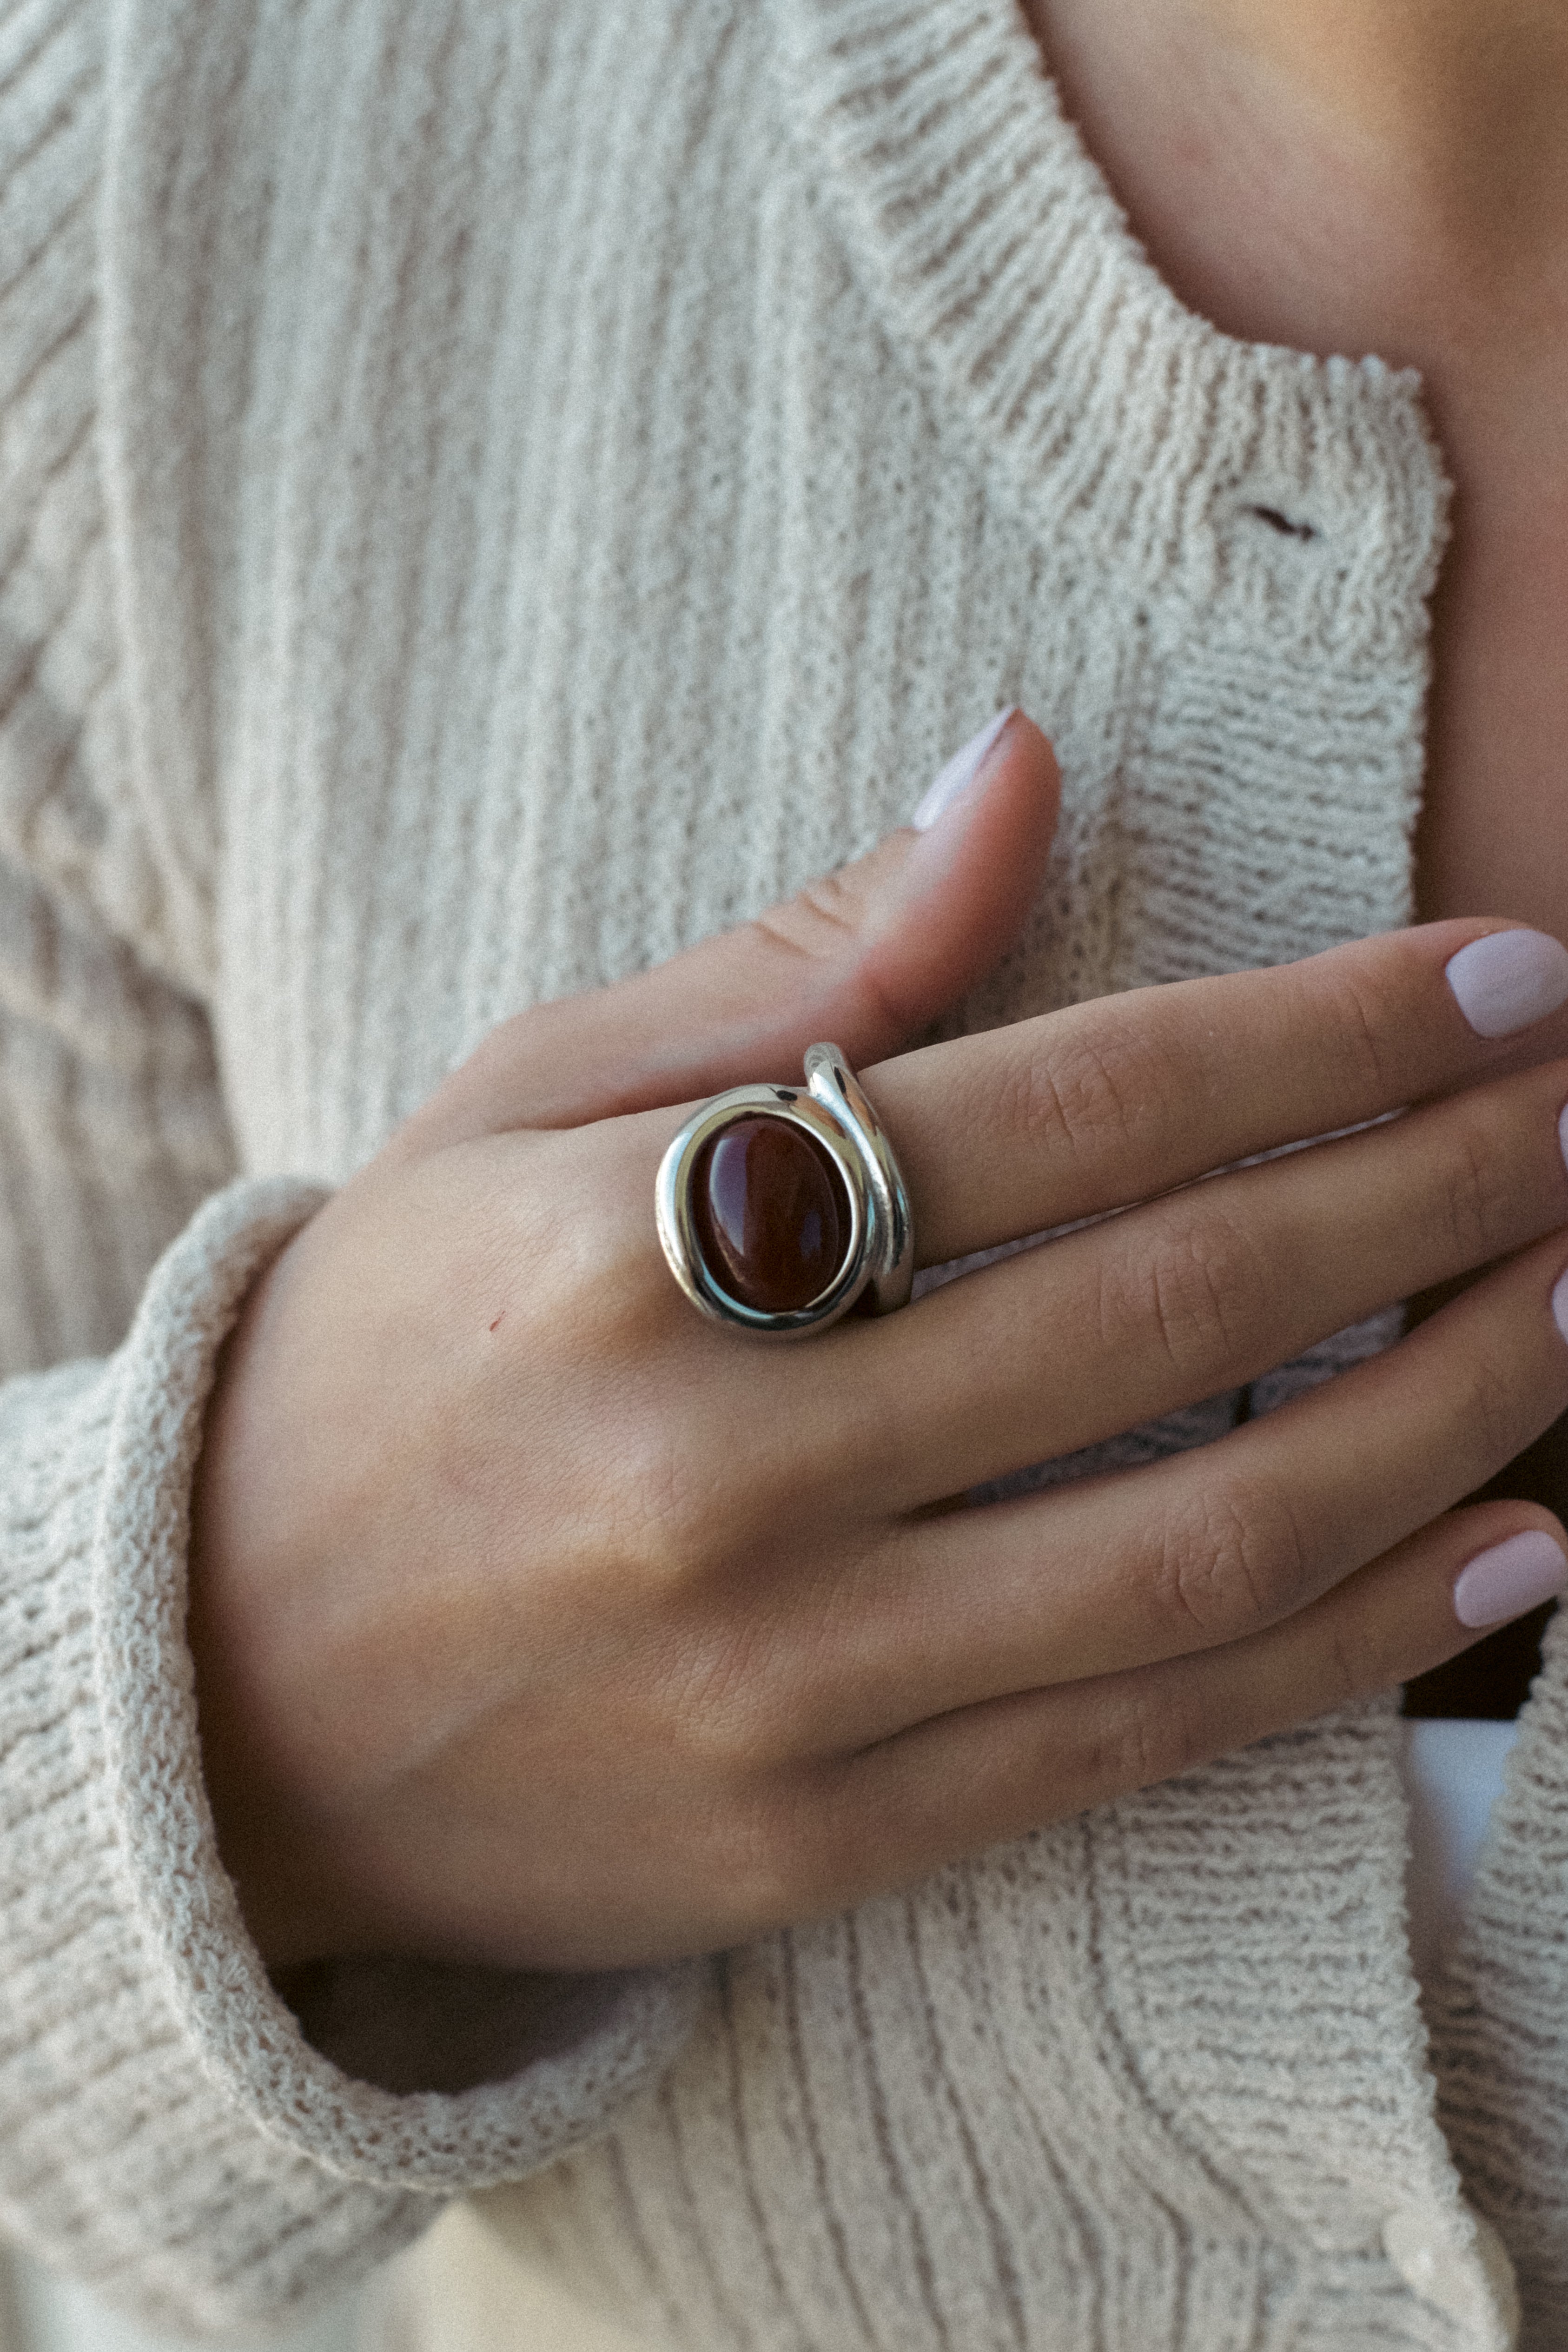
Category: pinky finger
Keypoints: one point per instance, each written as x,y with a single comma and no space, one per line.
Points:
965,1780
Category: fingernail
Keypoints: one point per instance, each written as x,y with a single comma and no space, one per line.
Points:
1560,1297
1510,1578
1507,979
961,771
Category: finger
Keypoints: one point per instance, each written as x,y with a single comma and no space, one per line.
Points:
898,1811
1209,1548
1202,1291
867,956
1087,1109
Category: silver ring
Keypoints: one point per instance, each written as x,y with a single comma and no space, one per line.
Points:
838,1231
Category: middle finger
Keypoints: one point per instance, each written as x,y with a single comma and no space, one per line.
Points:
1112,1102
1114,1326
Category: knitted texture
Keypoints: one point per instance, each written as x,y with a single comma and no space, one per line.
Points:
151,2075
1499,2010
491,496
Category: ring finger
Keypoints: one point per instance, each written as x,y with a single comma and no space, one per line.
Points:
1120,1571
1108,1102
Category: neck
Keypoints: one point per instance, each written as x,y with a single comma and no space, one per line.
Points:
1337,175
1458,102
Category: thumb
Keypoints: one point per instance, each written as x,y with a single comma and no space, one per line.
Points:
868,956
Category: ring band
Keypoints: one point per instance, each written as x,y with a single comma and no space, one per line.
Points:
778,1209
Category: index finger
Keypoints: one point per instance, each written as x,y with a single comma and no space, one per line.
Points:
1089,1110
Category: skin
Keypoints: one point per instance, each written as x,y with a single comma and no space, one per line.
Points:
1394,179
523,1633
476,1477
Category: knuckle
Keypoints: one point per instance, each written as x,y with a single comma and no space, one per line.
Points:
734,1697
1092,1093
717,1653
1141,1742
711,1694
621,1304
1487,1419
1350,1671
1475,1194
1204,1291
766,1851
1355,1014
823,926
1232,1559
818,921
580,1239
666,1511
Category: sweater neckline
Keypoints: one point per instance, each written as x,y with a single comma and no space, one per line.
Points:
999,258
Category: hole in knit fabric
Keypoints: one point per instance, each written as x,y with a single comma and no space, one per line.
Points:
1282,523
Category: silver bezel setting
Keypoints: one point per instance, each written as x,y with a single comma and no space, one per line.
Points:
879,1260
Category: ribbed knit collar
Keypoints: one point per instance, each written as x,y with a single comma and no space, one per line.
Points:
999,258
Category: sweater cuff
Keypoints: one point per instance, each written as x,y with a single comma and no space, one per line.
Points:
165,2127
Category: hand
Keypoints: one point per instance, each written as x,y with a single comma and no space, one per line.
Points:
539,1621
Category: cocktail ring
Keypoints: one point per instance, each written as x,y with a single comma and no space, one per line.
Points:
780,1208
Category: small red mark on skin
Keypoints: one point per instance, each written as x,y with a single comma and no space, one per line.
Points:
500,1320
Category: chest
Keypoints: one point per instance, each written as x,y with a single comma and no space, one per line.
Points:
1494,833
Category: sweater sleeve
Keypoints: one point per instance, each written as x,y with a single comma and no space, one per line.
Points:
167,2128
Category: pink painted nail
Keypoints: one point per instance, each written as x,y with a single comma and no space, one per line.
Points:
960,772
1507,979
1510,1578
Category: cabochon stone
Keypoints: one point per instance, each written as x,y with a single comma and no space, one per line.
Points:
771,1215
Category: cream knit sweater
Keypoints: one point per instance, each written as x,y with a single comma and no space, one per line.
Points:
491,493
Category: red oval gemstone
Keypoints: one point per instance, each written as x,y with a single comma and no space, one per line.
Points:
771,1213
